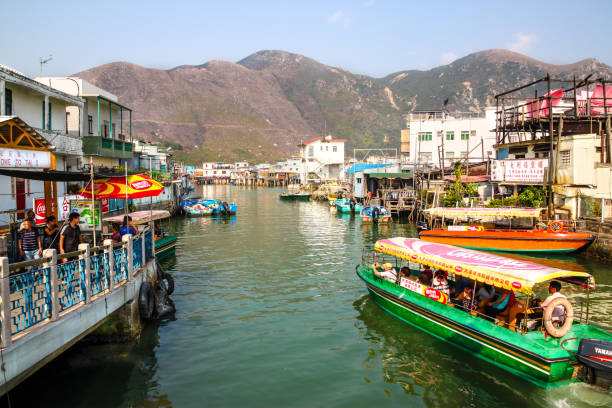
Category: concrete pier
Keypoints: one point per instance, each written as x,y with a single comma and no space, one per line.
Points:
50,304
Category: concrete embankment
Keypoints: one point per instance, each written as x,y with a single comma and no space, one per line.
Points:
601,248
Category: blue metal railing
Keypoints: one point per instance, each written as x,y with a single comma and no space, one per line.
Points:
30,298
148,248
137,253
121,268
100,273
71,283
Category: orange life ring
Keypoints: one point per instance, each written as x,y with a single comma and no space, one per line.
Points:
567,323
555,226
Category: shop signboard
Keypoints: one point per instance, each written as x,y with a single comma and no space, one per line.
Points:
519,171
84,208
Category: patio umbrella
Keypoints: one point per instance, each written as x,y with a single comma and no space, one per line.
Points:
123,187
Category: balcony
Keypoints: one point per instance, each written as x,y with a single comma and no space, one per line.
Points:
99,146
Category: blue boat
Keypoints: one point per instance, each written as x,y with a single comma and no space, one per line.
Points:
345,206
221,207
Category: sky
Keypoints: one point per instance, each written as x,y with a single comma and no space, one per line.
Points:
371,37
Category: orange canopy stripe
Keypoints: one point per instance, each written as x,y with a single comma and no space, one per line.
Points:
138,186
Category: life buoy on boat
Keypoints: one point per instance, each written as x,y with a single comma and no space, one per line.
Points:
555,226
558,332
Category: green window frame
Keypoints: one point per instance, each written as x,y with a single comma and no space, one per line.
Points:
425,136
8,102
465,135
450,135
49,116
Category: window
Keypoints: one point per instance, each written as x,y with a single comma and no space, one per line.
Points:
335,149
67,120
465,135
8,102
464,155
450,135
321,148
450,155
105,128
49,121
564,158
327,148
310,150
43,115
90,124
425,156
358,180
425,136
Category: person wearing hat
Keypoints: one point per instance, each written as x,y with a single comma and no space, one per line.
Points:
386,271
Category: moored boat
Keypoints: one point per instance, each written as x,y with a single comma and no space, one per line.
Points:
375,214
348,206
219,207
297,196
551,237
165,245
543,350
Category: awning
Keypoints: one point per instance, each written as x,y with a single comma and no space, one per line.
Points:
404,176
484,212
140,217
366,166
56,175
499,271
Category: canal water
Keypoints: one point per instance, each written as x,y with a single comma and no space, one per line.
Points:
271,313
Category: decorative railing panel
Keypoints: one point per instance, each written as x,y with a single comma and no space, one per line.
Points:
137,253
30,298
71,283
100,273
148,243
121,268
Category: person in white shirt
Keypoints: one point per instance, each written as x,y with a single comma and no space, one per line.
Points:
440,283
554,288
387,271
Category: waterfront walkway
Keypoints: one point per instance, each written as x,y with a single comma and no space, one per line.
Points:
50,304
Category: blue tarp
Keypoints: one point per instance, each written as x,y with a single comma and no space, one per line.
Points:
366,166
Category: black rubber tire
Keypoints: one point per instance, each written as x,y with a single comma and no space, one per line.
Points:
161,296
164,310
170,282
146,301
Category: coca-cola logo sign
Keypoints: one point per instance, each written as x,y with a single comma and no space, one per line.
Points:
432,294
141,184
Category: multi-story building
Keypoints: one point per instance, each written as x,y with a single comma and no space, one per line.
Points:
215,170
34,125
322,159
434,138
104,124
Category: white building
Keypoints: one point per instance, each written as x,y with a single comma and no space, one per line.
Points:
322,159
215,170
457,136
104,123
41,112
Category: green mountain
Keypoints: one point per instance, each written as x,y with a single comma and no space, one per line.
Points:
262,107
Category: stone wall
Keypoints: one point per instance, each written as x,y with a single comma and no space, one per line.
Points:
601,248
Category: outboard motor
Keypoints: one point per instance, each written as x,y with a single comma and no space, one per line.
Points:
422,226
596,357
226,208
352,205
375,214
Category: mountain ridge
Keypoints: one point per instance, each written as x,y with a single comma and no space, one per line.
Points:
260,107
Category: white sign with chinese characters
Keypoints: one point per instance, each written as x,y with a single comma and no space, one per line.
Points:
24,158
525,171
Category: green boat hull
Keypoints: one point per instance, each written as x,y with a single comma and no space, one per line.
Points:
165,247
295,197
532,356
346,209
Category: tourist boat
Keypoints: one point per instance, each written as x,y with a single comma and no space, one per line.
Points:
345,206
332,198
547,357
165,245
375,214
297,196
551,237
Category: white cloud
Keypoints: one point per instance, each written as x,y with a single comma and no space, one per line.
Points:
339,18
368,3
447,58
523,42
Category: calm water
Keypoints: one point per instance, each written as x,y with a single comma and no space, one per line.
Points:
270,313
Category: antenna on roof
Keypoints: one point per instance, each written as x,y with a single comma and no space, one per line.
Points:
44,61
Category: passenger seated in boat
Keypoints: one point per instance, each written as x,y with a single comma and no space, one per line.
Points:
554,288
500,305
485,294
466,300
460,284
405,272
386,271
427,270
424,279
440,283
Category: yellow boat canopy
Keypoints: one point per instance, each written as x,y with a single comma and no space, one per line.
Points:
499,271
485,212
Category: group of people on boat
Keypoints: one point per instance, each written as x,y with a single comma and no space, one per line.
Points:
480,299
